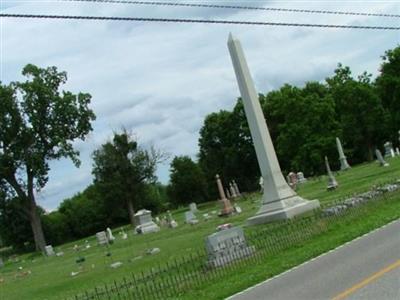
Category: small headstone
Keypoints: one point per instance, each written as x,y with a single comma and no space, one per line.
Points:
115,265
101,238
153,251
173,224
193,207
381,161
145,222
110,236
261,183
190,218
170,220
300,177
73,274
292,180
238,210
58,254
49,250
206,216
226,246
124,235
397,151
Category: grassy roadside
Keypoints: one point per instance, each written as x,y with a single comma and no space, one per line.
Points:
369,217
51,278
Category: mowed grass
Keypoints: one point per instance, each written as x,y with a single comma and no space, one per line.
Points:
50,277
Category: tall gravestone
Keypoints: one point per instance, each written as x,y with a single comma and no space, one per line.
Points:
332,183
232,190
235,186
227,208
381,161
279,200
344,165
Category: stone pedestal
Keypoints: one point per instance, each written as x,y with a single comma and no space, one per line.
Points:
144,222
226,246
279,200
344,165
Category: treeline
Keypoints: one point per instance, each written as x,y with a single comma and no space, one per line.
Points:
303,122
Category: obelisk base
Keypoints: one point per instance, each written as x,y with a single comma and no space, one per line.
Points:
286,209
344,165
227,208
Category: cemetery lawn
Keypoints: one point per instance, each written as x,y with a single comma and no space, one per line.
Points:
50,277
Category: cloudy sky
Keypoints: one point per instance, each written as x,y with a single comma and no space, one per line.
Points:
160,80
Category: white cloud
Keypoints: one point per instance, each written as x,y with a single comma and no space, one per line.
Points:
160,80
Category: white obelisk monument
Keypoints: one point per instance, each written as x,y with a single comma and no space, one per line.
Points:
279,200
344,165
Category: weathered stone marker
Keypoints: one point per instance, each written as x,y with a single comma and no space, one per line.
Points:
344,165
101,237
49,250
279,200
193,207
226,246
389,149
300,177
332,183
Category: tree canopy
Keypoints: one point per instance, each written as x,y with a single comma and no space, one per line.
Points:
38,123
121,170
187,182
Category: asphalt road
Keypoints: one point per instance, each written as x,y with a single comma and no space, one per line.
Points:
366,268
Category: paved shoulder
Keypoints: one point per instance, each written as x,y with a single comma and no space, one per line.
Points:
361,269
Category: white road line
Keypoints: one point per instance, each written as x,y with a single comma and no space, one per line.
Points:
311,260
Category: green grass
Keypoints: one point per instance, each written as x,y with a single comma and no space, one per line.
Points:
371,216
50,276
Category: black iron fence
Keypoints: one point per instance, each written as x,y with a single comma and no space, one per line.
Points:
175,278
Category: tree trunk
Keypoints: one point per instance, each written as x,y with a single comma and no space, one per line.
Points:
370,153
36,225
31,209
131,212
